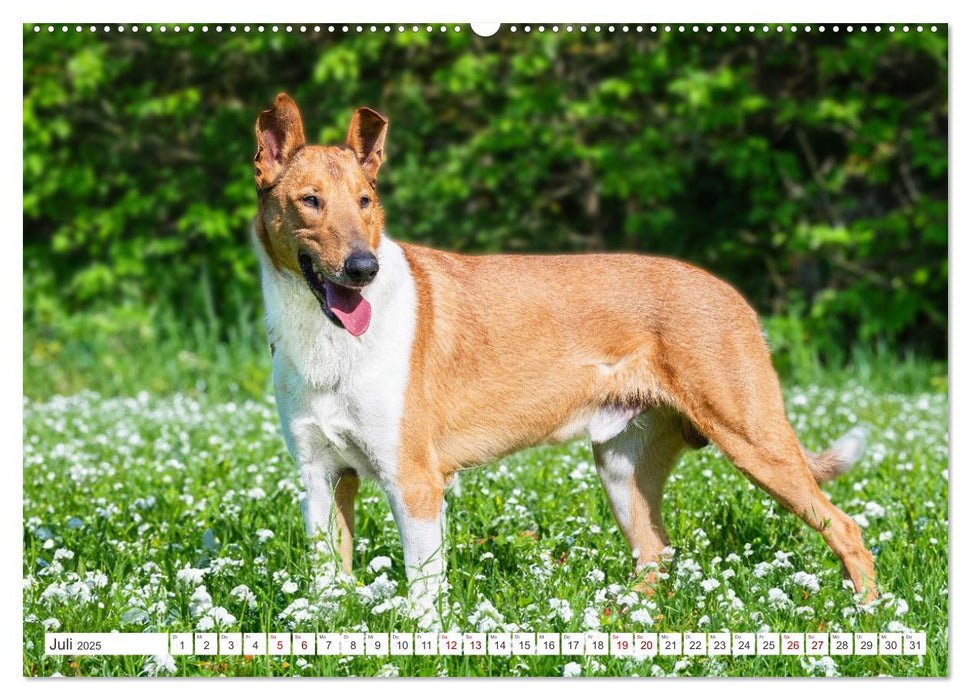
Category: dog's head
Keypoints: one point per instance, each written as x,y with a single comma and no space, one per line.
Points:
319,215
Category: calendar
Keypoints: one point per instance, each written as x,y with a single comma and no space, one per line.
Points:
592,643
355,347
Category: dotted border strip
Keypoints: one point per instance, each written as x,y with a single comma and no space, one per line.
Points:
247,28
513,28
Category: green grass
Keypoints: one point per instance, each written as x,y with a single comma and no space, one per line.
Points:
120,494
121,351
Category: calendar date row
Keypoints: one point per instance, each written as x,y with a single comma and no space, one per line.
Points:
591,643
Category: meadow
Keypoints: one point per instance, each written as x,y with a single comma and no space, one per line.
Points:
179,511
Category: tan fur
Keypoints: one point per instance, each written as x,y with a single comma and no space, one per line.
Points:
337,176
511,350
344,494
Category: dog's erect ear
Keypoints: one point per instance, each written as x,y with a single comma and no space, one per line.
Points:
279,133
365,136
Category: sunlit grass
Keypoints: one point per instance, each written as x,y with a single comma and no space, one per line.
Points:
181,513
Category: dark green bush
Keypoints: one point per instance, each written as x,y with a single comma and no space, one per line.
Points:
810,170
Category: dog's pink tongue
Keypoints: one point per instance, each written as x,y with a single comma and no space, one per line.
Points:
349,306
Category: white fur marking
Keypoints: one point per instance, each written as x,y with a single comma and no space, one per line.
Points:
609,422
423,542
340,398
849,448
616,466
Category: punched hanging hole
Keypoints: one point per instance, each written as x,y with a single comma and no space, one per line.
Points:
485,28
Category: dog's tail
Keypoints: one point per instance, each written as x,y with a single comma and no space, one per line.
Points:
841,455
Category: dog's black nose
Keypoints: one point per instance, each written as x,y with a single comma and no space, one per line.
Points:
361,267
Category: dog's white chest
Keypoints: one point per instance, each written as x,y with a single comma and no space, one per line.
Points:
340,397
331,426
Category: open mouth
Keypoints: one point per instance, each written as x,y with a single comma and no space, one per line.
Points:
344,306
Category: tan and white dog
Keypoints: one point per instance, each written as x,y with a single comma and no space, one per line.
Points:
405,364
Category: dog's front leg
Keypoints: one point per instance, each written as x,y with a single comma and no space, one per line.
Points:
419,512
318,505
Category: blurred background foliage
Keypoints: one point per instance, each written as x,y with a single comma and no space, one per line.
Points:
808,169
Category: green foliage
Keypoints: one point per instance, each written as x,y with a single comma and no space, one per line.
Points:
810,170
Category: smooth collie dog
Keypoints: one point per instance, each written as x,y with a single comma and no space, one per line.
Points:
406,364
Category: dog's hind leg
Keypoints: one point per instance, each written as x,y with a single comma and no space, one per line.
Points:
633,467
739,407
344,495
777,464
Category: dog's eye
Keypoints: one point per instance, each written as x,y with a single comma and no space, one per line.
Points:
311,201
365,200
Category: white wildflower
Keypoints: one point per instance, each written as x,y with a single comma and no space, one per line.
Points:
485,617
874,510
762,569
55,590
298,611
822,666
221,616
808,581
561,609
200,602
243,594
778,598
379,563
190,576
160,664
379,589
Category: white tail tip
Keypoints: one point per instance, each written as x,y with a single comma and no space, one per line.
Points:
849,448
